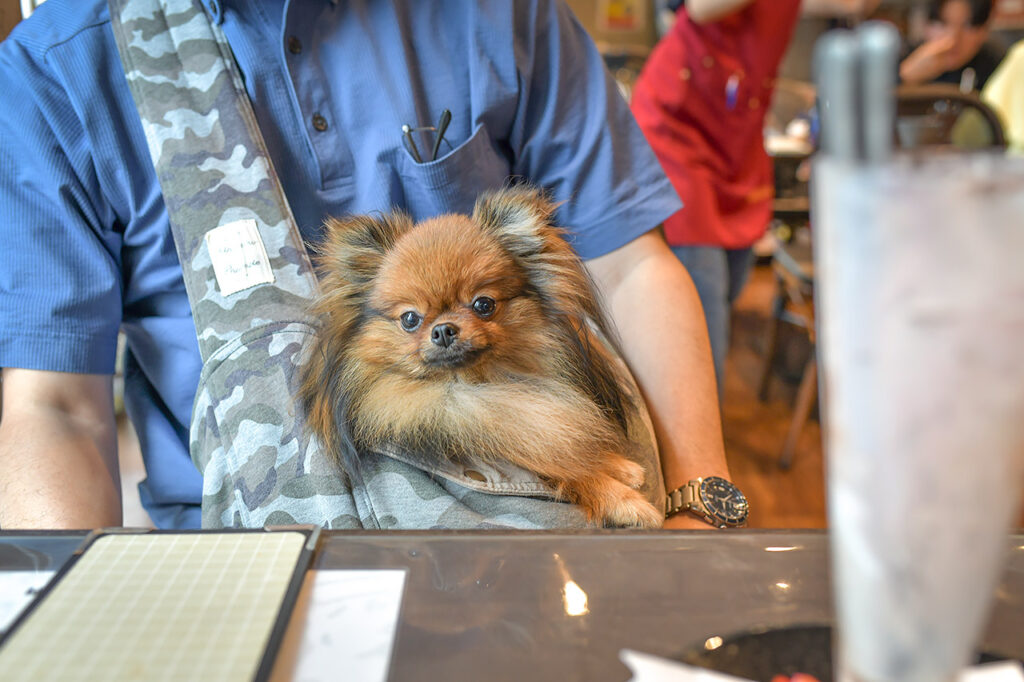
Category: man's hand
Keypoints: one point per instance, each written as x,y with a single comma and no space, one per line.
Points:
58,451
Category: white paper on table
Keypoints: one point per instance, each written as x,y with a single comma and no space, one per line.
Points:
351,624
648,668
17,589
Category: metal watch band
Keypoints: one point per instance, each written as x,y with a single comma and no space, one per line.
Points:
681,498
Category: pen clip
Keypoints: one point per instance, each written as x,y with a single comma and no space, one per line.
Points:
732,87
411,143
439,131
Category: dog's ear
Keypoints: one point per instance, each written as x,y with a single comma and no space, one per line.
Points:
347,259
354,247
347,262
519,217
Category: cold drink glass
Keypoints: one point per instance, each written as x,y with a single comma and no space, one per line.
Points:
919,288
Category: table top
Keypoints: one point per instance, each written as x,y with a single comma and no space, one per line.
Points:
494,601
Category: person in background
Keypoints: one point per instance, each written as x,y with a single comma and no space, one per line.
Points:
701,101
958,48
331,85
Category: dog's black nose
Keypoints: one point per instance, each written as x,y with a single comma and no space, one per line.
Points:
444,334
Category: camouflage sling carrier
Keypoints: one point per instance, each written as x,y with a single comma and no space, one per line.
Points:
249,280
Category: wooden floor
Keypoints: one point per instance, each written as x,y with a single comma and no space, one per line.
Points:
755,430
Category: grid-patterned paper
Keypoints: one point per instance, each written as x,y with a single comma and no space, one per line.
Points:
188,607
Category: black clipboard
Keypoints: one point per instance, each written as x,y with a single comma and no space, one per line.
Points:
225,595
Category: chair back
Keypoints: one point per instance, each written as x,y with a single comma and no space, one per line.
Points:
939,114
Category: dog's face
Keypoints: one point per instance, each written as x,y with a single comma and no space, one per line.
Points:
449,301
430,331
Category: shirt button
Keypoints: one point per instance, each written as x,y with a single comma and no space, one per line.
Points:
754,103
319,122
708,61
475,475
294,45
684,74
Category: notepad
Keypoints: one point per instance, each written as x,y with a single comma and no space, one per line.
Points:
162,606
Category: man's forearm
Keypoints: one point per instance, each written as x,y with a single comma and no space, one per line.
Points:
707,11
927,62
654,305
57,470
839,8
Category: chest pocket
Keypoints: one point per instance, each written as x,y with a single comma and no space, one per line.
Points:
451,183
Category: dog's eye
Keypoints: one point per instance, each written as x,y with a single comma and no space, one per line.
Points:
483,306
410,320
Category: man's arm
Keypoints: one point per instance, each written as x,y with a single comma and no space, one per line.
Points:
930,60
707,11
855,9
653,303
58,451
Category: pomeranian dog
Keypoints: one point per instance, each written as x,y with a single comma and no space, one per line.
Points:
467,337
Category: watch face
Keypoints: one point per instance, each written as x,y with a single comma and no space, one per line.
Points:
723,501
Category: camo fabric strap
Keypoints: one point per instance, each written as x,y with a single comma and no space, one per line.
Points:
248,285
258,468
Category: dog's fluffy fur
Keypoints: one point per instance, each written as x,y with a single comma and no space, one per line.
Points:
464,337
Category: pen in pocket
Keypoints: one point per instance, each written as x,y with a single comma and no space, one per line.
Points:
409,139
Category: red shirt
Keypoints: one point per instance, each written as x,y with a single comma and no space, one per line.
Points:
701,101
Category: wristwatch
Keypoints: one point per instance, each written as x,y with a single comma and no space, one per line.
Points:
713,499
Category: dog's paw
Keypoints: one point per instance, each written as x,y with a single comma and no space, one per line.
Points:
627,471
633,510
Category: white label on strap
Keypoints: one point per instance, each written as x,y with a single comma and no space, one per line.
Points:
239,258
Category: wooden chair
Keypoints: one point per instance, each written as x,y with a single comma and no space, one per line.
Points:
940,115
793,305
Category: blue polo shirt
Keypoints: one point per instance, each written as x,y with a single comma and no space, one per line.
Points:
88,250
